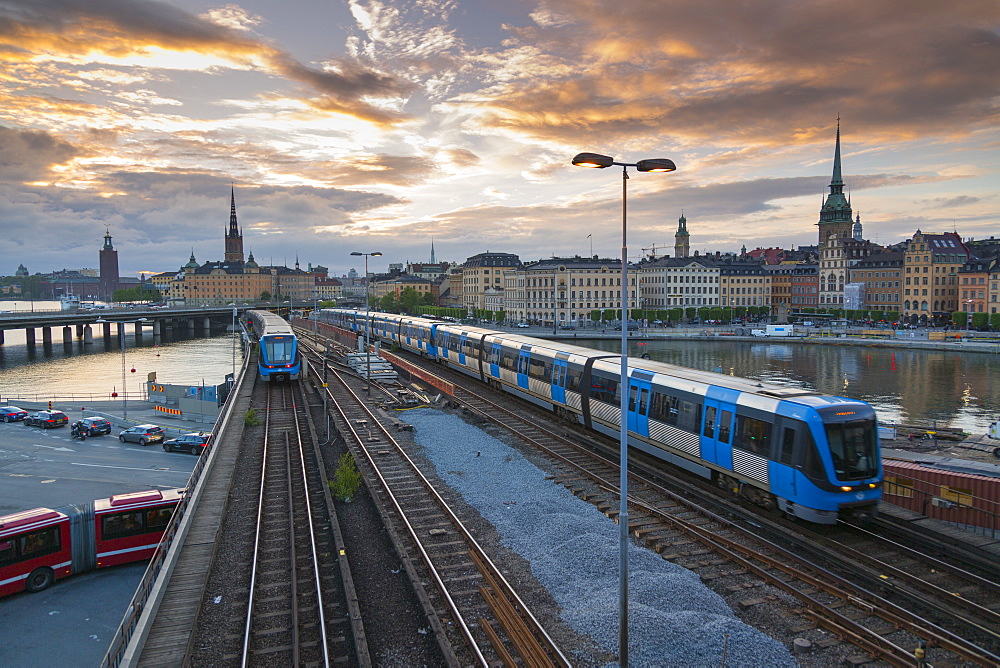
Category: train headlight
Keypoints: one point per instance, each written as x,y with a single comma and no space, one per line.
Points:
872,485
846,489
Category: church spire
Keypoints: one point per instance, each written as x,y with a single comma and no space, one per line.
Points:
432,251
234,237
835,216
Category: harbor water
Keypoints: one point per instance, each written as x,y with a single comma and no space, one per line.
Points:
95,371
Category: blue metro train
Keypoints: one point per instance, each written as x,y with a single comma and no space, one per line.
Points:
279,348
811,456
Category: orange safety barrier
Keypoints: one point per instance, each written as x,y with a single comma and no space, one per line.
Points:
169,411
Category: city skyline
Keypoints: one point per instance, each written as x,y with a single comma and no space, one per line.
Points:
360,126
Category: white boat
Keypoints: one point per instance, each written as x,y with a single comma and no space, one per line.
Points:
69,302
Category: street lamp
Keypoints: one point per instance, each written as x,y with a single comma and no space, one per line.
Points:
368,327
654,165
121,338
968,317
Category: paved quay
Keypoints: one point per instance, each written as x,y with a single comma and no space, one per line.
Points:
139,412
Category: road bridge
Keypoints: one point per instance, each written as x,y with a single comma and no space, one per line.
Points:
77,324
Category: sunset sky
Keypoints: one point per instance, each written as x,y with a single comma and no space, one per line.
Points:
359,125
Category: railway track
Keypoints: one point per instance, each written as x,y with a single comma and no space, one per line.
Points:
868,625
291,615
475,613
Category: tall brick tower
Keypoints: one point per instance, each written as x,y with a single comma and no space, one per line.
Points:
234,237
109,268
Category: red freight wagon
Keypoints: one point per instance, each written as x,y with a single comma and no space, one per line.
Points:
40,546
950,490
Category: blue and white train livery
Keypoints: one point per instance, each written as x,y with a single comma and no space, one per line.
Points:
810,455
279,349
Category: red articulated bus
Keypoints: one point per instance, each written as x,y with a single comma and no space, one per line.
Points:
40,546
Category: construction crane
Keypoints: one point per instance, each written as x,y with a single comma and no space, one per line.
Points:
654,247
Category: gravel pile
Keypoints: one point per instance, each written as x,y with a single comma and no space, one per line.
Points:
572,548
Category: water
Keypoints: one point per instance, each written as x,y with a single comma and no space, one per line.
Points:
95,371
920,387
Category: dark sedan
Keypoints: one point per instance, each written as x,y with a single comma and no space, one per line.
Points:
195,443
95,426
12,413
46,419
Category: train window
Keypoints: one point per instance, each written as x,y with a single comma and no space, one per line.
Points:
573,378
688,415
812,464
538,368
120,525
853,447
508,359
725,423
753,435
495,355
632,392
523,360
603,388
278,350
787,445
559,376
709,430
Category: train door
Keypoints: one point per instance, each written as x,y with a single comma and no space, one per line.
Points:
560,371
461,348
494,360
523,364
638,405
782,473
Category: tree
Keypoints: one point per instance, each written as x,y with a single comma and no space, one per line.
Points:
409,298
265,296
137,294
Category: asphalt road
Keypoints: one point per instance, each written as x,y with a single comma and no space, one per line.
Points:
47,468
71,622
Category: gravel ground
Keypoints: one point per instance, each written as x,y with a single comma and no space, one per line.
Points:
572,549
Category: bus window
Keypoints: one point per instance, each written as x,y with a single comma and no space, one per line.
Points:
120,525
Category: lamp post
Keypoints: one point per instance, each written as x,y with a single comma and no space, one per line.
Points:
968,317
597,161
121,339
368,327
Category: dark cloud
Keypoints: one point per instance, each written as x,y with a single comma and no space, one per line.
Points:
28,155
768,72
119,27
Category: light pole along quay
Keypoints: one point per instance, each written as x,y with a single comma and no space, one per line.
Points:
598,161
368,358
121,339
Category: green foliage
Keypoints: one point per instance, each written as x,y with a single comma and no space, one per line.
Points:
346,479
138,294
265,296
250,418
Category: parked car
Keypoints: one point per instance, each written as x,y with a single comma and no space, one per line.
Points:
12,413
95,426
142,434
195,443
46,419
522,324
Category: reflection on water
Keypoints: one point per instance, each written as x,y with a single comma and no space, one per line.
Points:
950,389
97,369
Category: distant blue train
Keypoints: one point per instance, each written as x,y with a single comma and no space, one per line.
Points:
811,456
279,349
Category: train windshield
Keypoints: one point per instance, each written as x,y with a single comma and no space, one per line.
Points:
854,448
278,350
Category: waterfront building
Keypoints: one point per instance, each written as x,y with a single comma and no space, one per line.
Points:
482,271
930,281
880,278
565,290
679,282
805,286
744,283
397,284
